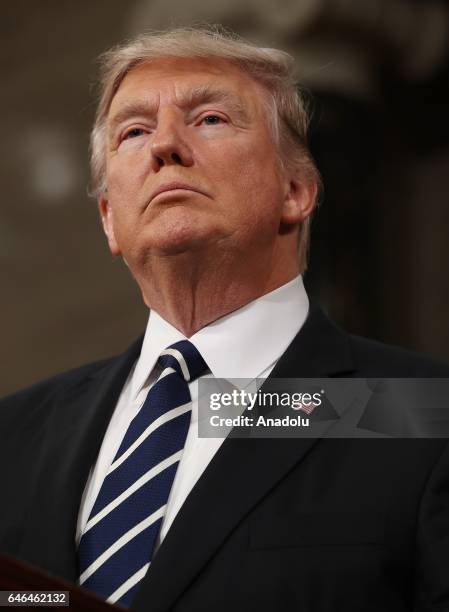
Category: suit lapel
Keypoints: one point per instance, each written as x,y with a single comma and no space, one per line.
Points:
218,502
73,436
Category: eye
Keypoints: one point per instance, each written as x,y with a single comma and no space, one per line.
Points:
212,120
133,133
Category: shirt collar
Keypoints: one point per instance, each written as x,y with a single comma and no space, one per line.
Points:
242,344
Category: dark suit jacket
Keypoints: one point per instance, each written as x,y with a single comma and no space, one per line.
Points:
273,524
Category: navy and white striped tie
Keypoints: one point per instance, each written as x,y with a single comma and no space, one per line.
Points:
118,541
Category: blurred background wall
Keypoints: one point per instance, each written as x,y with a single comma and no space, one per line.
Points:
378,71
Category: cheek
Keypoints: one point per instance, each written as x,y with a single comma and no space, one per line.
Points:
250,202
249,176
243,159
123,193
127,172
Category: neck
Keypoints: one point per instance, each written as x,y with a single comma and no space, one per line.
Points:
191,292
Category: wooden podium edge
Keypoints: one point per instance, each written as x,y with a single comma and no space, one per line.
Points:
19,576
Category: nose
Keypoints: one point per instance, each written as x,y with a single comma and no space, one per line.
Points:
169,145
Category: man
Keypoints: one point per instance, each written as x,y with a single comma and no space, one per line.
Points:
205,187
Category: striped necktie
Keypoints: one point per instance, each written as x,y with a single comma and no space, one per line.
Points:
117,544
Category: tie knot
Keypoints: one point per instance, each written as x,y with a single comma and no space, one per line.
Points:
183,357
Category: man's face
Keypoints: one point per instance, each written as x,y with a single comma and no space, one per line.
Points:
191,163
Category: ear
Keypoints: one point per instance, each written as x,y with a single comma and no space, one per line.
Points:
299,202
107,220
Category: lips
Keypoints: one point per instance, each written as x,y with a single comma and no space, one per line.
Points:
173,186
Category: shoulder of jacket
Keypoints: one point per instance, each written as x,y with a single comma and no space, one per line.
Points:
27,401
379,359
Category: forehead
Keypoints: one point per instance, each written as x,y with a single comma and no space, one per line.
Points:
172,79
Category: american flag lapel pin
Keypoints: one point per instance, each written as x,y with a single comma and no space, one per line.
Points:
307,409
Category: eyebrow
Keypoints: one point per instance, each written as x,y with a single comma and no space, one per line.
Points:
190,99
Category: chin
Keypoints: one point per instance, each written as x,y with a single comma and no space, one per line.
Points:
176,248
176,242
179,234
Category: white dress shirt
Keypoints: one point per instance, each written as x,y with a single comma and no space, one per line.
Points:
246,343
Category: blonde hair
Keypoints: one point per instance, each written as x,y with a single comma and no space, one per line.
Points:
287,110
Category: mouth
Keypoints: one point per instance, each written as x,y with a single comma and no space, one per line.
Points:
173,188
